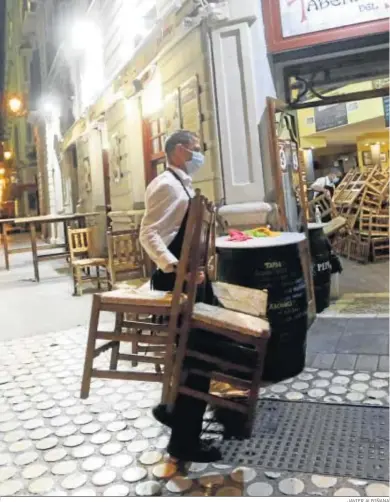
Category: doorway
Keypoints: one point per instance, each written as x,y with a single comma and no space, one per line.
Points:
352,136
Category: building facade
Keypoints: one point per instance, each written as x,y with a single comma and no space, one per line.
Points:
118,76
19,140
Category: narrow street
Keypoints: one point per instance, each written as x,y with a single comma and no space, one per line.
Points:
54,443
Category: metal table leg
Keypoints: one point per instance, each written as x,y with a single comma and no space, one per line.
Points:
5,244
33,235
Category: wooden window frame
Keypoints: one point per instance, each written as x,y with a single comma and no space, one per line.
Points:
151,159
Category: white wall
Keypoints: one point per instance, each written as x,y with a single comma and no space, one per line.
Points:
243,81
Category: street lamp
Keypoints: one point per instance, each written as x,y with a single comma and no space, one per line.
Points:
7,155
15,105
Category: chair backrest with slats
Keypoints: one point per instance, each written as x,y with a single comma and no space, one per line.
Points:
125,253
194,257
80,242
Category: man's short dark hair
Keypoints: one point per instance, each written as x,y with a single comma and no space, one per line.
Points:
178,137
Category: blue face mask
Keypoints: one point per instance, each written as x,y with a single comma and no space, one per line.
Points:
195,163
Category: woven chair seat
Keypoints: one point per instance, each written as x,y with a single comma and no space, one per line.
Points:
90,262
134,296
208,316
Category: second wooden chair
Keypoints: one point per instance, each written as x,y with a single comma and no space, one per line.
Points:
81,260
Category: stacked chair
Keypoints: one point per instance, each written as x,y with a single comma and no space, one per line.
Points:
362,198
173,316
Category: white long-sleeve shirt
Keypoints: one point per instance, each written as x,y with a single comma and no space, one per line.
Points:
166,204
321,183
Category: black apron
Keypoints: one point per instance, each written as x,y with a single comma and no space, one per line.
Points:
166,281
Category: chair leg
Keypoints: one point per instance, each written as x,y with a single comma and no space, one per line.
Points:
78,281
73,269
254,390
98,278
115,350
89,355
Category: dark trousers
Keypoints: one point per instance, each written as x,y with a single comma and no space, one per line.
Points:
188,412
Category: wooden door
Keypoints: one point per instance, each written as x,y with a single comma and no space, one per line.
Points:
283,135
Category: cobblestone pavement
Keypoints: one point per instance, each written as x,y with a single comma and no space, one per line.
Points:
51,442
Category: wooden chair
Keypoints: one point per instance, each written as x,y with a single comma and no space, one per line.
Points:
80,248
380,235
160,305
126,260
246,330
125,256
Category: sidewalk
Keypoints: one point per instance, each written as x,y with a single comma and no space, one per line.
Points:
53,443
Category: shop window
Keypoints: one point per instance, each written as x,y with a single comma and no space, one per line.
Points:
154,140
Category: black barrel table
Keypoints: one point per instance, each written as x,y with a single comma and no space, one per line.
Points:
321,266
273,263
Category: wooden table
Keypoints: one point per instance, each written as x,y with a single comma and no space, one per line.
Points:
31,223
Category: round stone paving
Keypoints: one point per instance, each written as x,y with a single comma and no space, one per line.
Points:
341,380
134,474
377,394
272,475
20,446
321,383
74,481
165,470
291,486
83,419
103,477
120,461
355,396
337,389
90,428
93,464
359,387
116,426
323,481
243,475
66,467
47,443
7,473
361,377
260,490
151,432
294,396
346,492
148,489
67,430
73,441
150,457
138,446
34,471
197,467
379,384
126,435
111,448
117,491
178,484
377,490
101,438
11,487
26,458
131,414
83,451
55,455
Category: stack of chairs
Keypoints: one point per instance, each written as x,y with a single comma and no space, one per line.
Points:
362,198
